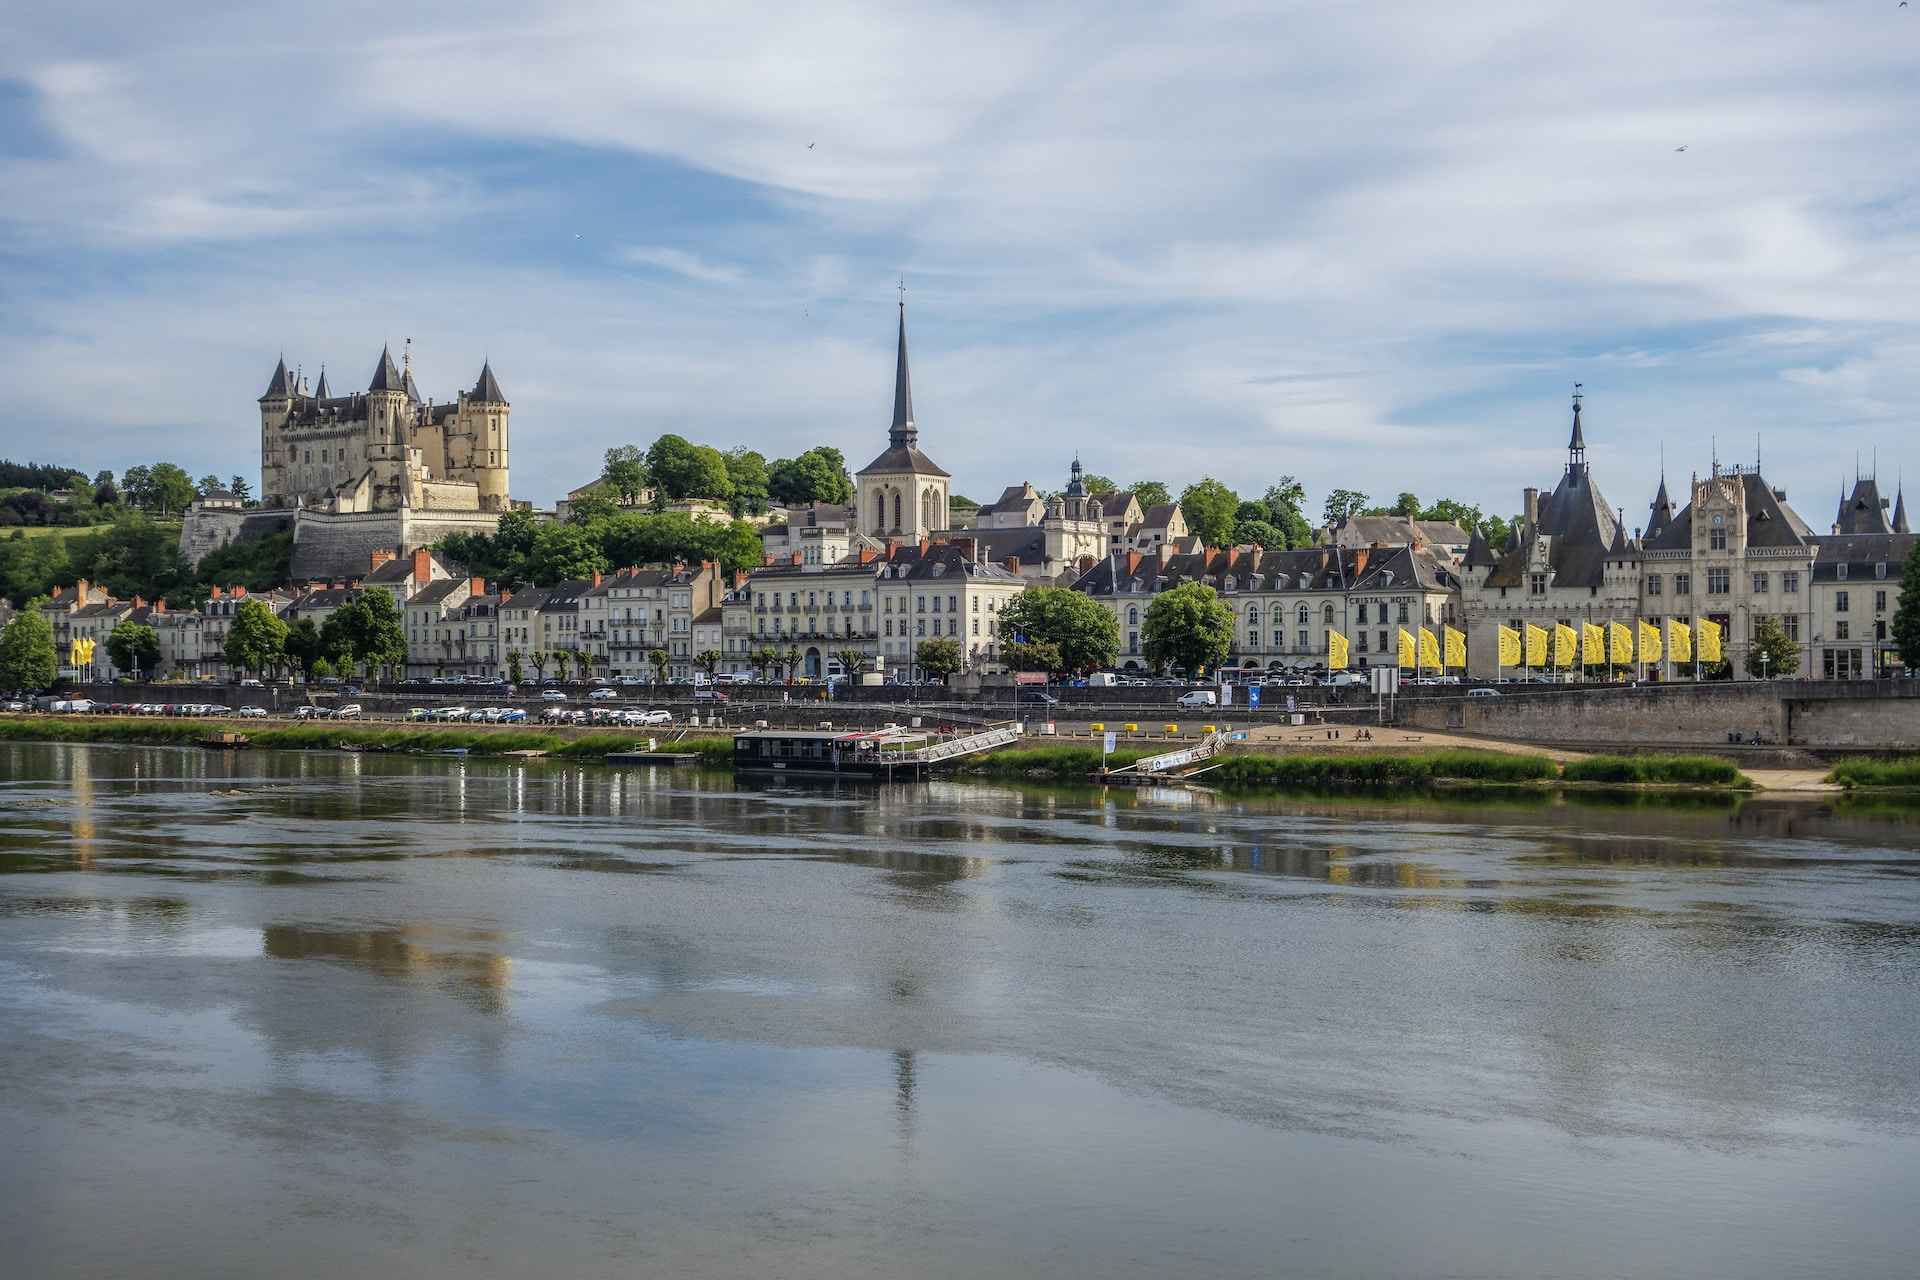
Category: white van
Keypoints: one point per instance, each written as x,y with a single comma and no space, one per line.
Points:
1483,693
1199,698
1102,680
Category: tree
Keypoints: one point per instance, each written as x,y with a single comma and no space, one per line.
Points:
366,631
765,659
27,660
1496,530
1773,654
1906,616
747,471
1098,484
563,552
1188,628
302,646
1259,533
322,669
1210,508
1447,511
515,672
1342,503
708,660
133,646
104,494
939,657
258,637
1033,656
789,660
658,659
818,475
562,662
1406,505
1151,493
169,489
961,502
626,472
591,509
852,663
205,485
539,659
241,489
1083,634
682,469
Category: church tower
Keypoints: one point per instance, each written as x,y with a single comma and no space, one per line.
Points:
902,493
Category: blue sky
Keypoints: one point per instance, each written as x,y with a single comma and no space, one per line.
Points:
1371,246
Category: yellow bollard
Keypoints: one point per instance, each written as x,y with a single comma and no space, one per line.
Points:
1210,729
1132,729
1171,729
1096,728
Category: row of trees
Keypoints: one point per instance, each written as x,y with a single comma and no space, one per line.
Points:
1059,631
597,537
137,556
674,468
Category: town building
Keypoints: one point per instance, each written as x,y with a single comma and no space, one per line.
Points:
435,625
1401,531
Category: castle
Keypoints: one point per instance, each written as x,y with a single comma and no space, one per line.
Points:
383,449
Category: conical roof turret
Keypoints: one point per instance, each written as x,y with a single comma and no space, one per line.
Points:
487,388
280,386
387,375
323,391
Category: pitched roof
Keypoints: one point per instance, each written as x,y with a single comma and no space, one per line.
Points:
1160,515
1862,551
902,386
1662,509
1900,512
1479,554
386,374
437,590
1864,510
1396,530
487,388
322,391
280,386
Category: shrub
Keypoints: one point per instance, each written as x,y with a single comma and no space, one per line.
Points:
1379,769
1698,770
1892,771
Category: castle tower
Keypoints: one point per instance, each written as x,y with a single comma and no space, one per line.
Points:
901,493
483,423
387,415
275,408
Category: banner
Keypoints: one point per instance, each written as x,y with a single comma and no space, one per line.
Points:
1649,642
1566,643
1619,645
1509,641
1536,646
1336,651
1707,635
80,652
1406,650
1456,645
1429,649
1593,645
1679,640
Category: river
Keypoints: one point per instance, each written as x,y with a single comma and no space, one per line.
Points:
318,1014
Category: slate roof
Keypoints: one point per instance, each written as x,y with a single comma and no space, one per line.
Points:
1770,521
1015,497
1029,543
322,391
280,386
565,597
1252,569
488,387
1661,509
1863,510
1862,553
1160,515
1479,554
1582,529
903,437
1900,512
386,375
1393,530
437,590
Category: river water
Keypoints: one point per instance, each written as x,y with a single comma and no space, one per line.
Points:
324,1014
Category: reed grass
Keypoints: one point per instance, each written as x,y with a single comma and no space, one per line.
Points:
1708,771
1886,771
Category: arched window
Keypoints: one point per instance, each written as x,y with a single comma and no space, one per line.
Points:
1133,615
896,509
930,508
1302,615
879,511
1253,615
1326,613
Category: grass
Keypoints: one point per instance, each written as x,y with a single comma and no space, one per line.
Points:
1691,770
1059,761
1247,771
1890,771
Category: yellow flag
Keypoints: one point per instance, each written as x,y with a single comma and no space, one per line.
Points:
86,654
1509,641
1708,634
1536,646
1406,649
1593,645
1429,649
1649,642
1619,644
1679,640
1565,641
1336,651
1456,643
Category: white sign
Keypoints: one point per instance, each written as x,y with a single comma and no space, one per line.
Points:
1109,743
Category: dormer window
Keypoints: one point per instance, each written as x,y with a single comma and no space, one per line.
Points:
1880,570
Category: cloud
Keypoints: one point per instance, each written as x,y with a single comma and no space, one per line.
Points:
1369,247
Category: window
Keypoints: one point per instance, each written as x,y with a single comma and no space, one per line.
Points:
1653,584
1880,569
1383,642
1839,602
1303,641
1840,572
1759,584
1253,616
920,627
1360,614
1879,602
1279,639
1716,538
976,626
1301,615
1683,584
1537,584
1133,642
1790,582
1719,582
1133,615
1363,641
887,627
1402,616
1326,613
953,604
1840,631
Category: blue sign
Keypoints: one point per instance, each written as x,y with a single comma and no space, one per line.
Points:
1253,697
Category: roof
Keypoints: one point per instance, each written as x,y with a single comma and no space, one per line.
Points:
903,453
487,388
322,391
902,384
280,386
1479,554
1395,530
1029,542
1662,512
526,598
1900,512
386,374
1861,551
1581,528
1013,498
1115,503
1770,521
903,458
1160,515
326,598
438,590
1864,510
1242,569
708,617
565,596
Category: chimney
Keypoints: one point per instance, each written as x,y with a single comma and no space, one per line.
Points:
80,592
795,558
596,577
1133,561
476,586
740,578
159,606
1086,564
923,544
1013,564
1164,551
238,593
893,548
379,557
1530,506
422,567
968,547
868,555
213,593
766,558
1360,557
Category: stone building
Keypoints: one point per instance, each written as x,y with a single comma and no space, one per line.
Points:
902,493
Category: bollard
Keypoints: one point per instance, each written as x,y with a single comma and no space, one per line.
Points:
1096,728
1171,729
1132,729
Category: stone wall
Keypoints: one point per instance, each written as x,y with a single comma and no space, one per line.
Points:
204,530
331,546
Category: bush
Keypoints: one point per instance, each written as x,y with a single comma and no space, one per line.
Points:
1892,771
1057,761
1697,770
1379,769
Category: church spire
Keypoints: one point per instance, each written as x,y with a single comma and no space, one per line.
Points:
1577,442
903,433
1900,510
323,391
387,375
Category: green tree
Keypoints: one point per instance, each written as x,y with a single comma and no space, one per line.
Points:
169,489
626,472
789,659
1449,511
1496,530
241,489
708,660
366,631
765,659
1906,616
1211,511
322,670
591,509
1773,654
1038,655
818,475
734,546
852,663
1187,628
302,646
562,663
1083,634
1406,505
747,472
1259,533
1098,484
539,659
960,502
27,660
658,659
1342,503
563,553
1151,493
515,672
205,485
258,638
682,469
134,646
939,658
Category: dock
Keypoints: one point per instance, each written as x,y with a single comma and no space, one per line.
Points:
874,753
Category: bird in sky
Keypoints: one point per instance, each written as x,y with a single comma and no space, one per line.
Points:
810,145
1680,148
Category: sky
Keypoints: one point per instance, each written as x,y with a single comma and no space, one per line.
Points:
1371,246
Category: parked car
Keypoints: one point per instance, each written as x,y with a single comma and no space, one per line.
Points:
349,712
1483,693
14,704
1199,698
601,695
556,715
252,713
450,713
553,695
512,715
1038,698
251,683
709,695
653,717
